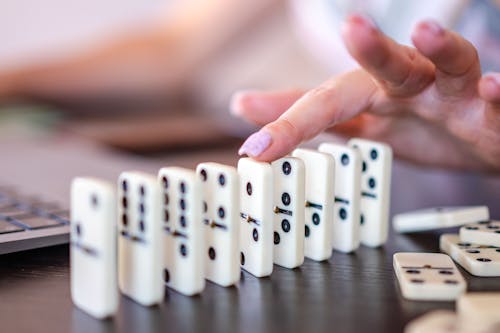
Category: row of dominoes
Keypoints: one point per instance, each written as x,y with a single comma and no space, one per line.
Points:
183,227
434,276
476,313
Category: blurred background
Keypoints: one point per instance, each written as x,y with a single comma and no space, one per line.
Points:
153,78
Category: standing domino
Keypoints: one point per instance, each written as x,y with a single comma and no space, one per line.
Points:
320,172
428,276
479,260
256,230
483,232
139,238
346,226
289,187
375,190
220,184
93,247
183,265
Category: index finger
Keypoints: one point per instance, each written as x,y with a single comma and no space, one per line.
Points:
334,101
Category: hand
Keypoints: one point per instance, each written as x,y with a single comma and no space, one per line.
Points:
430,103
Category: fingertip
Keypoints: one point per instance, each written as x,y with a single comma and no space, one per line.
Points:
427,36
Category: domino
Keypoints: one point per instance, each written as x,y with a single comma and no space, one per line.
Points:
478,260
428,276
221,219
483,232
479,310
439,217
375,190
93,251
320,173
346,227
256,216
139,238
438,321
183,241
289,211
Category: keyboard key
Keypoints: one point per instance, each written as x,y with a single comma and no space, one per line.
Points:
37,222
6,227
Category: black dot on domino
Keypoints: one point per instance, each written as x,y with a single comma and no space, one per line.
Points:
182,204
287,168
315,219
142,226
203,175
242,258
343,213
124,220
473,251
182,220
166,199
205,207
285,225
307,231
165,181
497,250
255,235
373,154
413,271
483,259
142,190
344,159
276,238
94,201
166,215
249,188
124,202
183,250
363,166
124,186
451,281
285,199
361,219
419,281
78,229
471,228
446,272
166,276
142,209
221,212
464,244
494,227
222,180
497,231
371,182
483,222
211,253
182,187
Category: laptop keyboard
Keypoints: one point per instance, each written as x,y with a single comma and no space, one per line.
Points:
24,214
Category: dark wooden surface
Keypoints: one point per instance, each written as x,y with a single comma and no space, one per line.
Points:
349,293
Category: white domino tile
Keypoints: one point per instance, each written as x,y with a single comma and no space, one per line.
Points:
289,211
93,247
485,232
346,227
439,217
140,252
256,216
428,276
319,194
375,186
221,219
478,260
183,238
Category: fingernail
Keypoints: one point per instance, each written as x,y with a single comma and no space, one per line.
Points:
493,77
433,27
235,105
363,19
255,144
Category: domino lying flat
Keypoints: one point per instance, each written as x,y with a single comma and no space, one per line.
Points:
479,260
346,227
139,238
221,214
483,232
320,173
289,214
428,276
93,251
437,218
375,190
256,229
183,268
